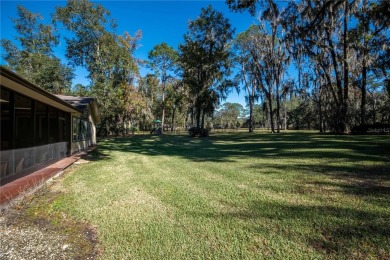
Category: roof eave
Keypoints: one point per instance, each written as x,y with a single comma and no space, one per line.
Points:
42,95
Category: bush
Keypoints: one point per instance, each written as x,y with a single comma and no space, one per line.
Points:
134,130
196,131
371,129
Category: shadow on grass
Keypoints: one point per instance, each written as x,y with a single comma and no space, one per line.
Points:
354,180
97,154
321,151
335,230
230,147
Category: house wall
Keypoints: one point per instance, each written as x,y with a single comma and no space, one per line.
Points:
36,127
33,134
83,131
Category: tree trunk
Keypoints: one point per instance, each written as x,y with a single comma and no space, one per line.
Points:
107,128
173,119
346,69
192,116
364,94
117,123
277,109
186,120
163,110
271,113
250,114
203,116
338,121
374,110
285,113
198,111
265,117
320,113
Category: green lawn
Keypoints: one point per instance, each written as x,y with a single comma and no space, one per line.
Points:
235,196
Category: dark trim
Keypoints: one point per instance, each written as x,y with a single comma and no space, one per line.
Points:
34,115
16,78
12,119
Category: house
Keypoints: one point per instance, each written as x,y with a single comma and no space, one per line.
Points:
39,128
84,124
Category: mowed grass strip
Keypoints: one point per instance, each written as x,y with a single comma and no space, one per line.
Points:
236,196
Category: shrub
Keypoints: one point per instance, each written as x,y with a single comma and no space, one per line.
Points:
371,129
134,130
196,131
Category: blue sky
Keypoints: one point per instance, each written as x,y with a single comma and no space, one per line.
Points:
159,21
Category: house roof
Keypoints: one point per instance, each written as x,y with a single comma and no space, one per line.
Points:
15,82
81,103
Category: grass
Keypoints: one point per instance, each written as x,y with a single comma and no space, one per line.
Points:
235,196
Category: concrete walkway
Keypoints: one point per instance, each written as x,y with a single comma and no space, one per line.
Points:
27,184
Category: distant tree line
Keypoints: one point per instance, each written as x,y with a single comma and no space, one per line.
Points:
340,50
303,65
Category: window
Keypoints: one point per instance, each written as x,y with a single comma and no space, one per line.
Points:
63,123
41,126
82,129
23,122
53,125
29,124
6,132
76,128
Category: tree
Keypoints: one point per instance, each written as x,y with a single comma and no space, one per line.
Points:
269,63
229,114
263,57
35,60
258,116
148,88
320,33
205,60
162,60
134,108
243,5
176,98
246,64
339,44
107,57
323,34
277,56
80,90
368,39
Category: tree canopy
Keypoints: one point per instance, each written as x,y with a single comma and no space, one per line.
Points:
205,60
163,60
35,60
302,65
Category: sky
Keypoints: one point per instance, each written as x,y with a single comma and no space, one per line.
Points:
160,21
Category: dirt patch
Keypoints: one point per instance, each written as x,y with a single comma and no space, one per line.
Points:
81,161
31,229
